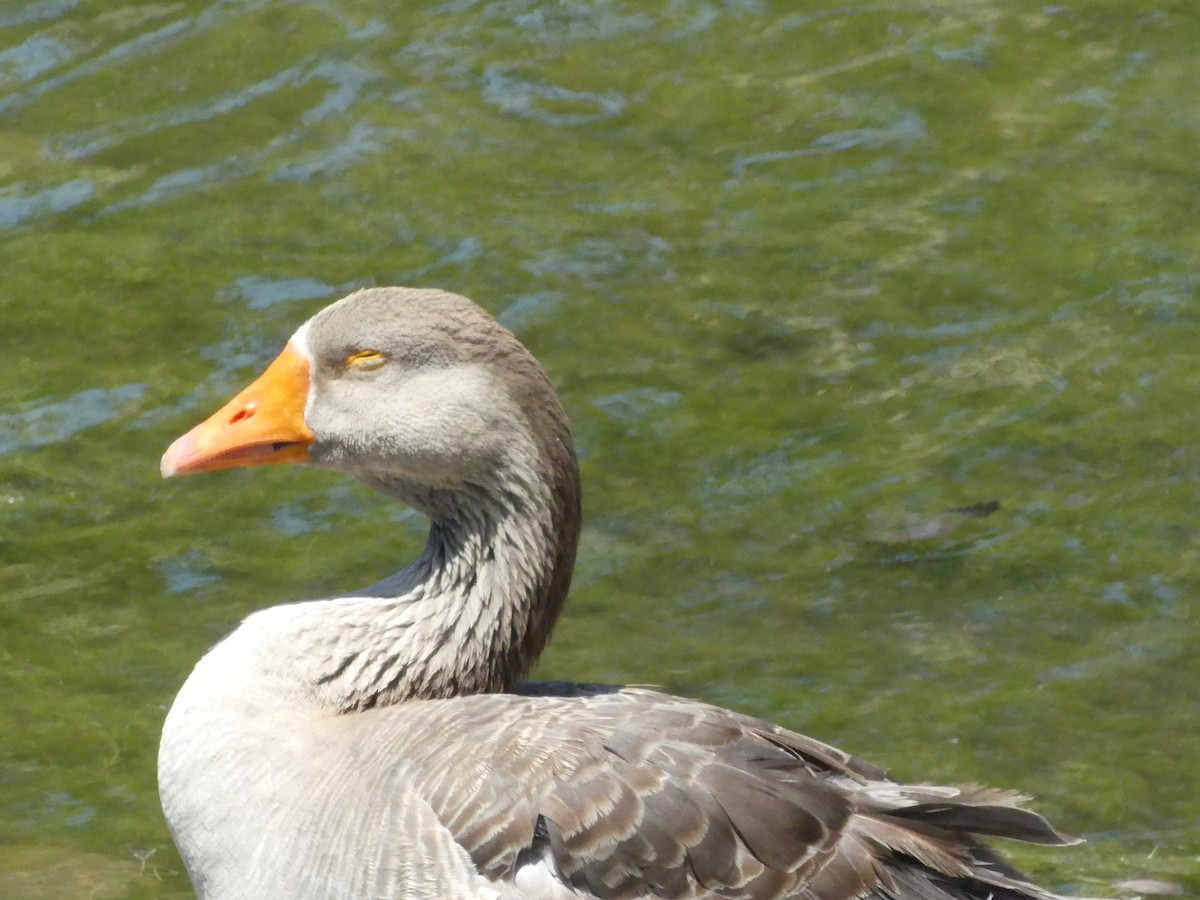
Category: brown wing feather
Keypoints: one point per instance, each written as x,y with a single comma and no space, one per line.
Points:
631,793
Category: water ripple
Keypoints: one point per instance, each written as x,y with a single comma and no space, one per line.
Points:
363,140
908,129
35,56
16,208
346,79
636,404
36,12
40,423
87,143
591,22
531,100
261,292
186,572
144,43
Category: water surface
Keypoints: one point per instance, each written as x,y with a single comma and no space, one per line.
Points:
877,322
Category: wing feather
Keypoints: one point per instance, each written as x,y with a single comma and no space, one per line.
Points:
632,794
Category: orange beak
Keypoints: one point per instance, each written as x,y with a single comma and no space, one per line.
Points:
261,425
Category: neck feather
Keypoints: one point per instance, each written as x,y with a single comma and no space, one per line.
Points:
471,614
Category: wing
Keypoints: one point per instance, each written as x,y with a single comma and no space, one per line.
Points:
631,793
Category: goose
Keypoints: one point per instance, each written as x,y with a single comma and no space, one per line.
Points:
384,745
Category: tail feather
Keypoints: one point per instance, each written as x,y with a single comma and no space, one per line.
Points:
929,839
969,808
993,821
913,883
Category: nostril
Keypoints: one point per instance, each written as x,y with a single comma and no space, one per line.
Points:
240,415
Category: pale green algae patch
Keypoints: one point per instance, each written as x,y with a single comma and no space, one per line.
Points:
808,279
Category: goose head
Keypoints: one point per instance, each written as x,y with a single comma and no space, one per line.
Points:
418,392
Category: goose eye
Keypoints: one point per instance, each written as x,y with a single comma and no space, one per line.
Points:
366,359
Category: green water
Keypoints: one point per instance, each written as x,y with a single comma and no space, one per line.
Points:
808,275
